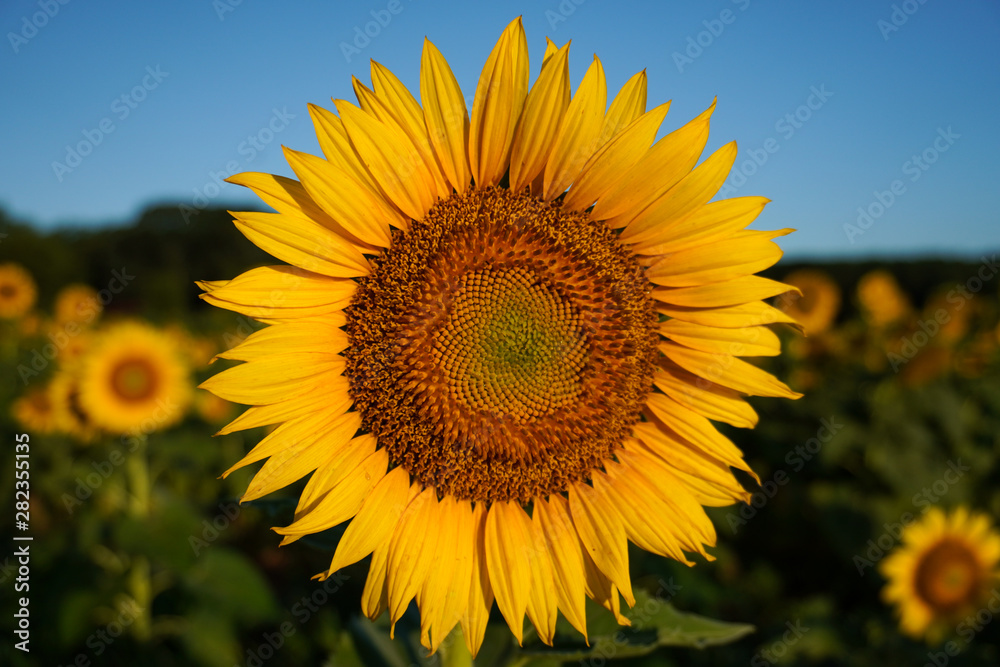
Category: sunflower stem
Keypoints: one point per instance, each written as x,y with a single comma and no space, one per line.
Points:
454,652
139,583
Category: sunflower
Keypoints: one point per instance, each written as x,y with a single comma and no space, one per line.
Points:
496,380
35,412
68,415
17,291
945,568
77,303
817,303
133,379
881,299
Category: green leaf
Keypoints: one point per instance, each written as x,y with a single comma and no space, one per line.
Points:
228,582
655,623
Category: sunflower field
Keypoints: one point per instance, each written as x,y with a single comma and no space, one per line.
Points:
498,379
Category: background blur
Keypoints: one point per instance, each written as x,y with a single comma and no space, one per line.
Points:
871,126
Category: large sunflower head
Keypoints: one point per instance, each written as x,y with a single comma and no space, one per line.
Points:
17,291
501,339
945,568
133,379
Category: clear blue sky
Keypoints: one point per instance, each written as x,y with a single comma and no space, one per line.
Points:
924,81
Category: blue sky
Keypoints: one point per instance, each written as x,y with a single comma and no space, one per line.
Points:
886,106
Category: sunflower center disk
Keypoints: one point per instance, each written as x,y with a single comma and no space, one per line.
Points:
511,345
502,348
133,380
948,577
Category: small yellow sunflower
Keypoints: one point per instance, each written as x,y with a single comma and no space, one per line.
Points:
945,568
17,291
134,379
77,303
35,411
817,303
881,299
534,314
211,408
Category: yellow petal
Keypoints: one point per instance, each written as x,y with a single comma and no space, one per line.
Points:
508,543
629,104
301,337
295,449
481,590
500,95
302,243
728,371
543,110
602,535
697,430
337,148
245,383
409,559
706,398
392,158
712,222
446,117
444,597
336,464
375,597
600,589
553,520
750,314
670,158
743,254
578,132
543,605
709,480
692,192
287,196
726,293
375,521
332,397
395,105
348,201
282,292
673,513
743,342
611,162
637,515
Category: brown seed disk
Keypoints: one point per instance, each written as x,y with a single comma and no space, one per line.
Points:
502,348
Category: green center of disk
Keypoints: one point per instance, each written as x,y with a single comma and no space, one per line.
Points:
511,344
